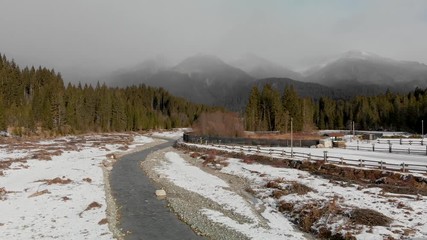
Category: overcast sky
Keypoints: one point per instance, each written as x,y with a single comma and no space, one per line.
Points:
94,37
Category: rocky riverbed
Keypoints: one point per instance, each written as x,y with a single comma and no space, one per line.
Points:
187,204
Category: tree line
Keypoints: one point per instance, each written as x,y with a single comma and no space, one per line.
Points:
268,110
34,100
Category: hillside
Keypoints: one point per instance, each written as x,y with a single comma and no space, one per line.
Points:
35,101
369,74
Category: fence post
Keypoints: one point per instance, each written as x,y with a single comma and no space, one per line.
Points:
381,165
422,142
409,150
357,144
342,161
258,149
373,147
325,156
389,148
403,167
400,140
309,156
283,153
360,163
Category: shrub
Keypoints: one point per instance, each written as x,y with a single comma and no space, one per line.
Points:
369,217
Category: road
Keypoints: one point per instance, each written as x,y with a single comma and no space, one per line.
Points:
142,214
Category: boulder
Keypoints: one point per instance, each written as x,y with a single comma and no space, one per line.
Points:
160,193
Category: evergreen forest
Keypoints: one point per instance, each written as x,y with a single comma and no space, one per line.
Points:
270,110
36,100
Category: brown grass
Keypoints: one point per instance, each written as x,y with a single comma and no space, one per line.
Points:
65,198
5,164
103,221
56,180
195,155
91,206
369,217
289,188
89,180
286,206
3,193
39,193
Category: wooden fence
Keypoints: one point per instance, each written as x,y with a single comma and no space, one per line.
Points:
402,141
326,157
389,149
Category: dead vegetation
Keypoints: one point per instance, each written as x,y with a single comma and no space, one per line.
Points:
91,206
211,159
392,182
316,216
39,193
103,221
282,187
219,124
56,180
89,180
5,164
65,198
3,194
369,217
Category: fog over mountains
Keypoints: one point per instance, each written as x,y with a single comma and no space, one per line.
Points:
209,80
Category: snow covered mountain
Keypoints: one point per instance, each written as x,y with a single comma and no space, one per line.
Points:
370,73
260,68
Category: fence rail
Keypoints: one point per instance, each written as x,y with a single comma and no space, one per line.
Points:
326,157
402,141
390,149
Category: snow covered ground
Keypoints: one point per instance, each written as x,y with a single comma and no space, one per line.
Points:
408,212
173,134
191,178
55,189
390,160
411,215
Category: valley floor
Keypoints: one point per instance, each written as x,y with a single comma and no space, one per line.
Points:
56,189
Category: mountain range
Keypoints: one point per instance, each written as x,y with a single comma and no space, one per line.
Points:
209,80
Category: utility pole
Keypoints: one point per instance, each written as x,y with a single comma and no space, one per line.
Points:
422,129
292,140
353,127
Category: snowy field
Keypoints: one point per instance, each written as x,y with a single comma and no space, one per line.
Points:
407,212
410,216
55,189
212,187
174,134
391,160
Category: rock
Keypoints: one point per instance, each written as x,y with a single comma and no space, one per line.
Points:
160,193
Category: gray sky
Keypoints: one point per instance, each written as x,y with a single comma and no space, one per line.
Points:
87,38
